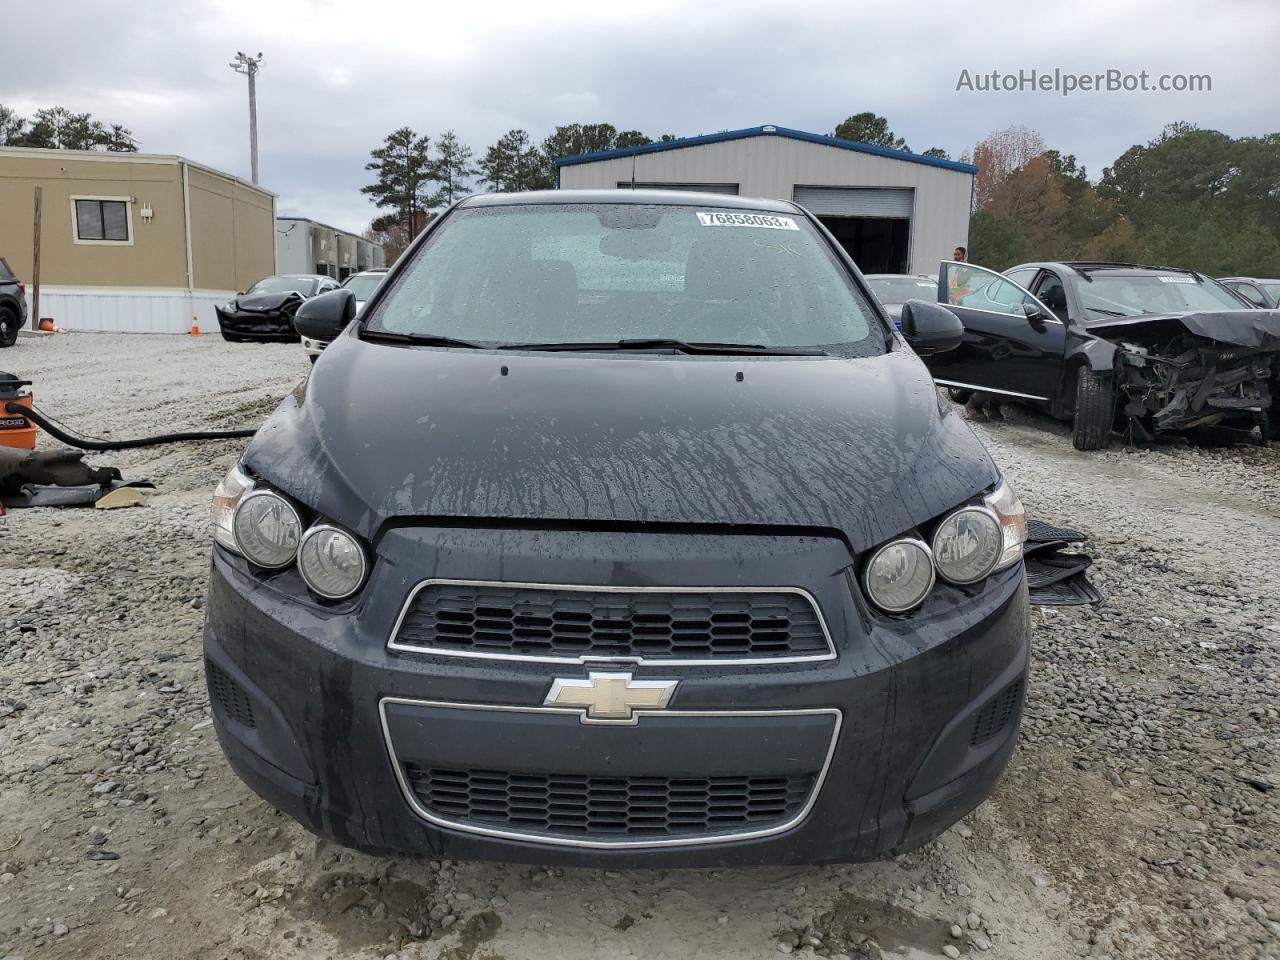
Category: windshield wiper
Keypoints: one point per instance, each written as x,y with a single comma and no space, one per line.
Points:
419,339
667,343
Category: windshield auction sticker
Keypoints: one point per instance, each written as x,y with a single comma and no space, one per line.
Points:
725,219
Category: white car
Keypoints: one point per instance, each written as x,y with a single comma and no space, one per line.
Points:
361,284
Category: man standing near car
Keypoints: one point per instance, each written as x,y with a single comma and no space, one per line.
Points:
958,278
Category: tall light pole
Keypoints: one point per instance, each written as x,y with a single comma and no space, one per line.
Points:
249,66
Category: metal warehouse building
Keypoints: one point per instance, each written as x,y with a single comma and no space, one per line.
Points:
895,212
306,246
131,241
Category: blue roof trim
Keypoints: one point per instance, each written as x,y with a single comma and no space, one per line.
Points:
767,131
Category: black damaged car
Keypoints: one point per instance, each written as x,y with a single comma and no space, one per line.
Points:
265,311
621,528
1151,351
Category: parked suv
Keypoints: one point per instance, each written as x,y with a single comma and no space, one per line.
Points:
1264,294
13,305
621,527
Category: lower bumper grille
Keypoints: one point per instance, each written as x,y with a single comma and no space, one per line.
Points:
228,695
992,719
621,808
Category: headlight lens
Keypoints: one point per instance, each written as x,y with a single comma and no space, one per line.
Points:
899,575
332,562
967,545
1004,503
267,529
226,497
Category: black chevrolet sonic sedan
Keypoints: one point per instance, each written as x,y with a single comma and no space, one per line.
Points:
622,528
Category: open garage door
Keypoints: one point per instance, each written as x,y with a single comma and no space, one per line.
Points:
872,223
729,188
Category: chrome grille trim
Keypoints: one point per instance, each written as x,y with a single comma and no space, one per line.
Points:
393,644
411,798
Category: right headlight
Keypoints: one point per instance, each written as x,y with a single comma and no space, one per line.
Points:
967,545
899,575
332,562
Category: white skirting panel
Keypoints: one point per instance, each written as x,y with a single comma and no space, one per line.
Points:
131,309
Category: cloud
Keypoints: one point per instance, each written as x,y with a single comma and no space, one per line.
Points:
337,77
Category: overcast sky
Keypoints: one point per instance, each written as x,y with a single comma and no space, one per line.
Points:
337,76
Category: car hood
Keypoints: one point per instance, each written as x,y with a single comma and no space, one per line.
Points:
1243,328
862,447
260,302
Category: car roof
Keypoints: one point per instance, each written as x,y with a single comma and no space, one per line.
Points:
680,198
1251,279
300,276
1086,267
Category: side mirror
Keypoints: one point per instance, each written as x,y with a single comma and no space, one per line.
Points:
1031,311
325,316
930,327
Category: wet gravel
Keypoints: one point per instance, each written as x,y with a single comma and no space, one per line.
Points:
1138,818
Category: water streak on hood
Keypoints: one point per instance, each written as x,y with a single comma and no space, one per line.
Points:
862,446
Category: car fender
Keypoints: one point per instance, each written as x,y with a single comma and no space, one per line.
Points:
1100,355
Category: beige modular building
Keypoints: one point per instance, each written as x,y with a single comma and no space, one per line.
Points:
133,242
893,211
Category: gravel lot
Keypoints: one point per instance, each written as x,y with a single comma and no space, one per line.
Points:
1138,818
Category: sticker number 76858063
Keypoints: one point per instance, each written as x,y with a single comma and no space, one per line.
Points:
725,218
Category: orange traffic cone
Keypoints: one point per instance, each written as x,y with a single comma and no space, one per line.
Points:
195,328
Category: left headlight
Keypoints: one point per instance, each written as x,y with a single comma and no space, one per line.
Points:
1004,503
332,562
267,528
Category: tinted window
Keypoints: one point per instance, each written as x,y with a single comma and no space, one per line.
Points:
362,287
1273,289
1131,296
604,272
303,285
1250,293
982,289
5,272
902,289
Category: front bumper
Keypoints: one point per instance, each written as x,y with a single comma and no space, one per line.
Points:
256,325
327,724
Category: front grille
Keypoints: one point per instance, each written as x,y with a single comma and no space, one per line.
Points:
558,622
598,807
995,716
228,696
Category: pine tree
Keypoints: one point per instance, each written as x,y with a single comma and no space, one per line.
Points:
404,172
452,168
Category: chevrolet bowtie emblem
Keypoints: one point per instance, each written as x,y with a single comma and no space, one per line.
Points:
610,696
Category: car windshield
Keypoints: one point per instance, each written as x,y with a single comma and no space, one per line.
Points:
902,289
1133,296
604,272
362,285
303,285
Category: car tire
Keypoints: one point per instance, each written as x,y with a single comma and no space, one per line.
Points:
1095,412
8,327
959,395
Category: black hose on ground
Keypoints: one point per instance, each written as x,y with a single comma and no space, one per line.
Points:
85,444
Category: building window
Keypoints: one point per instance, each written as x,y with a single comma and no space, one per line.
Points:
102,219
